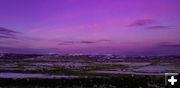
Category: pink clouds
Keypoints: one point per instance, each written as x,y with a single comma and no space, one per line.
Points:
124,22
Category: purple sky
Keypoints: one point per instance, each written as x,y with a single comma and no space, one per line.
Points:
90,26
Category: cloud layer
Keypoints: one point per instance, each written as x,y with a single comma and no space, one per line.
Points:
176,45
7,33
81,42
143,22
159,27
168,44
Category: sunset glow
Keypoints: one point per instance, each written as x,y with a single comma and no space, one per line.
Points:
90,26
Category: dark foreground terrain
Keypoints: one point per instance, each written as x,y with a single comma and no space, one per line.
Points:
111,82
85,71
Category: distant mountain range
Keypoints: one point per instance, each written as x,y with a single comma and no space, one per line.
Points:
56,51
